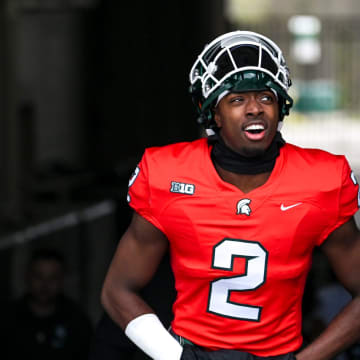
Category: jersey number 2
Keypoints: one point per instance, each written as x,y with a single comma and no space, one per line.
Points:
224,254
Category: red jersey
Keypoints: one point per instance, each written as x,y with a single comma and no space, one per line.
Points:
240,260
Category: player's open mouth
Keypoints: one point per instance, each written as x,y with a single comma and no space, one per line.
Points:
255,131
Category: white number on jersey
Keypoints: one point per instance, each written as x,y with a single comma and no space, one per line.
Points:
224,254
132,180
354,180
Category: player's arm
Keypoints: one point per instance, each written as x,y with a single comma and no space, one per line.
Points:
342,248
135,261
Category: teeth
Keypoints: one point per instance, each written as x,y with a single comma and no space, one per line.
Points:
254,127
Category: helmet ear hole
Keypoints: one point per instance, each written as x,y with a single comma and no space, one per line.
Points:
201,119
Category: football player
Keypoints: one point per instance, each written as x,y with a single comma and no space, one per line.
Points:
241,212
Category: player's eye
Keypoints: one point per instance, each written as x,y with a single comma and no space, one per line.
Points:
267,98
237,99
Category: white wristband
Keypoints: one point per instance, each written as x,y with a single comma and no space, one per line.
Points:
148,333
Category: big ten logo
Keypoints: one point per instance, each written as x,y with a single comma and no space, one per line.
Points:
182,188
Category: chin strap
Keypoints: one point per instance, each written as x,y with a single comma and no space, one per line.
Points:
210,132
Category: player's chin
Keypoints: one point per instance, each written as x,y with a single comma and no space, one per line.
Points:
252,149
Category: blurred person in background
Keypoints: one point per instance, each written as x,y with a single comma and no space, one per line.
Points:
330,297
44,323
109,341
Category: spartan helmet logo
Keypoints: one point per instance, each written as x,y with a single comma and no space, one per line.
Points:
243,207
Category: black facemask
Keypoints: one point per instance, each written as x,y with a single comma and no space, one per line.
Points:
232,161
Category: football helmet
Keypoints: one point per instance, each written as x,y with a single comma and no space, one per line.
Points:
238,61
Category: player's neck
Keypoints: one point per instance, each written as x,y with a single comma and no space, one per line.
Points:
234,162
244,182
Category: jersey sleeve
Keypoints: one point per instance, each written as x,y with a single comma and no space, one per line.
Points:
140,194
348,199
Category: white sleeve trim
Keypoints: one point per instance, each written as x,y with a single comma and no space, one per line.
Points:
148,333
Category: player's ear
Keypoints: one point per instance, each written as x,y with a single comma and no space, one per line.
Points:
217,117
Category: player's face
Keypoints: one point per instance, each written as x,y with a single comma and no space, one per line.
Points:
248,121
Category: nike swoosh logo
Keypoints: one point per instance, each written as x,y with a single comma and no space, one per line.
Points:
284,208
